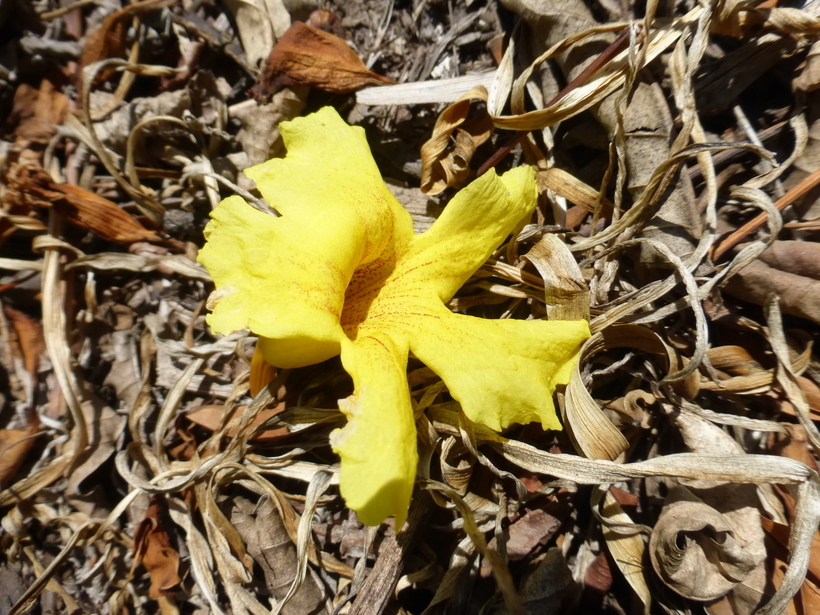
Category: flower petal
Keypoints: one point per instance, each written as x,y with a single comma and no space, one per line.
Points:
501,371
377,447
285,278
331,184
470,228
268,284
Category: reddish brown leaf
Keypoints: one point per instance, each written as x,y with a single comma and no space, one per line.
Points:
152,547
313,57
32,186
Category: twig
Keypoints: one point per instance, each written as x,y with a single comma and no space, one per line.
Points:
799,191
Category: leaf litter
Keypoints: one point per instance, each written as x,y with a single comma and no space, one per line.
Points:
677,165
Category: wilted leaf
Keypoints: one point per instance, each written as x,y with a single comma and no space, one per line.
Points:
152,547
263,531
313,57
459,130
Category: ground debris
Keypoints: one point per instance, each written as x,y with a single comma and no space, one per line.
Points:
149,466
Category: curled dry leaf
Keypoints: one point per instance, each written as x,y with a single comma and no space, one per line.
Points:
152,547
459,131
694,551
313,57
32,186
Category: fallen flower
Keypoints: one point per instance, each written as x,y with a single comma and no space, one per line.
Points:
341,272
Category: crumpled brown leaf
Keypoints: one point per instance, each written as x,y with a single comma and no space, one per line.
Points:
32,186
694,550
152,547
459,131
308,56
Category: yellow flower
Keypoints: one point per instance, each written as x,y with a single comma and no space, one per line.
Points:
341,272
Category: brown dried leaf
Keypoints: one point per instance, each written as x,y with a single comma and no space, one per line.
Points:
152,547
313,57
799,295
32,186
269,544
793,445
797,257
14,446
30,336
459,131
38,112
565,290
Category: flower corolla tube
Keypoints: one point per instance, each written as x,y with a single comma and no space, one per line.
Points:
341,272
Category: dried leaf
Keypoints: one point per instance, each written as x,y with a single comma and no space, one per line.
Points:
212,417
694,550
270,545
259,24
38,112
459,130
108,40
627,549
313,57
799,295
808,598
797,257
32,186
793,444
30,335
809,78
152,548
565,291
14,446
